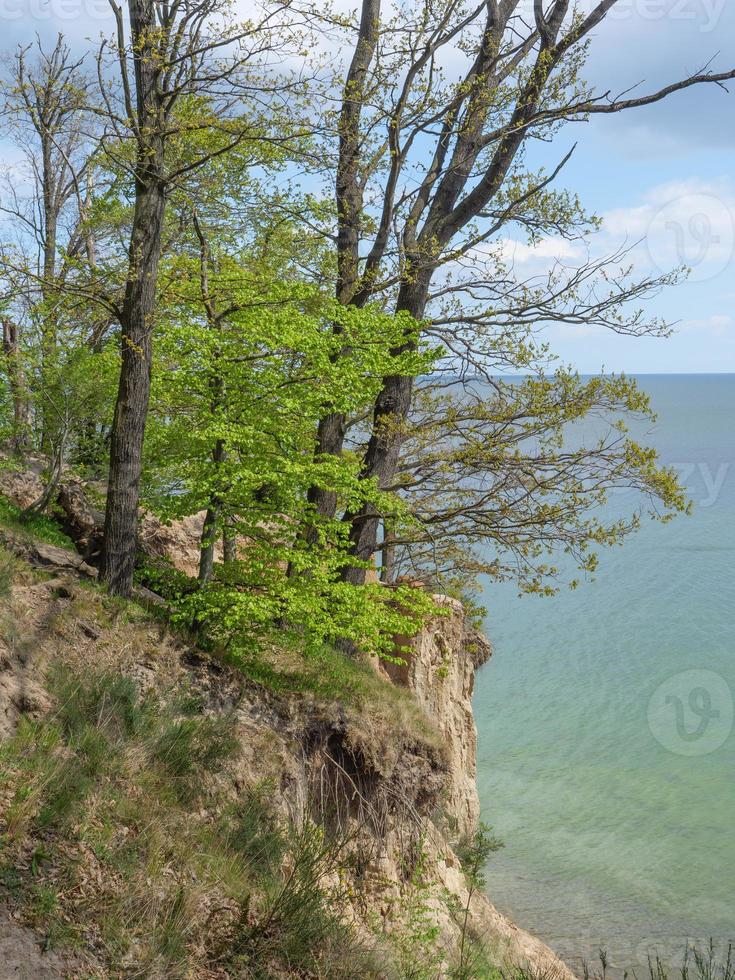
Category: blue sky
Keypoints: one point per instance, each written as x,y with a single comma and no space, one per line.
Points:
664,176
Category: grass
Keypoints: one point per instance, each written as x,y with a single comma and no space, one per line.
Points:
8,567
708,963
121,832
40,526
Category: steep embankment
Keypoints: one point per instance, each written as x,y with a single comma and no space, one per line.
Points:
382,758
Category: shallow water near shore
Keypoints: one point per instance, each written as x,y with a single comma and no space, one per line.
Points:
606,758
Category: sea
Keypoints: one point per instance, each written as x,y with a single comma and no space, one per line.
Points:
606,741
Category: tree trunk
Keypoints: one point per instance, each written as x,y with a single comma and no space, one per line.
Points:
349,194
330,440
131,409
49,332
211,523
229,542
209,536
136,320
381,461
392,407
21,439
387,555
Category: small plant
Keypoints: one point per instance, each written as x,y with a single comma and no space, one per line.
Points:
698,964
473,853
415,945
709,963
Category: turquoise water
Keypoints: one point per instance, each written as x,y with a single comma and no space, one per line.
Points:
606,756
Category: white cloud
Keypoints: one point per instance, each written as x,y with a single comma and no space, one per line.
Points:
687,222
717,325
553,248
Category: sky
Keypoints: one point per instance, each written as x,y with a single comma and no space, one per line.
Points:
661,178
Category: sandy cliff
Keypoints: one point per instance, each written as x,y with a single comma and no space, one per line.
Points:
400,788
440,671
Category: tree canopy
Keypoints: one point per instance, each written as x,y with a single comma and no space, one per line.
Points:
244,279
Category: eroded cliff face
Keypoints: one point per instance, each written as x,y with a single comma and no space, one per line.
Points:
400,794
439,671
399,785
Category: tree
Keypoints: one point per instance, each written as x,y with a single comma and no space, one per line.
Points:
498,482
246,356
432,171
182,74
43,102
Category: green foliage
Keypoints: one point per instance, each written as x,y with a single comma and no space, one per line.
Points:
74,389
250,358
160,575
236,611
7,422
419,954
510,481
474,852
41,526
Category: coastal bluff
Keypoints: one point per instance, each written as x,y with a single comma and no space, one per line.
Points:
400,784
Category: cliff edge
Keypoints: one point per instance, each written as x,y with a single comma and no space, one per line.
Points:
440,672
390,772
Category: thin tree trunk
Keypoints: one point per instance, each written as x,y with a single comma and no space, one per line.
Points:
349,194
131,409
212,522
49,332
21,439
54,478
387,554
213,516
229,542
209,536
